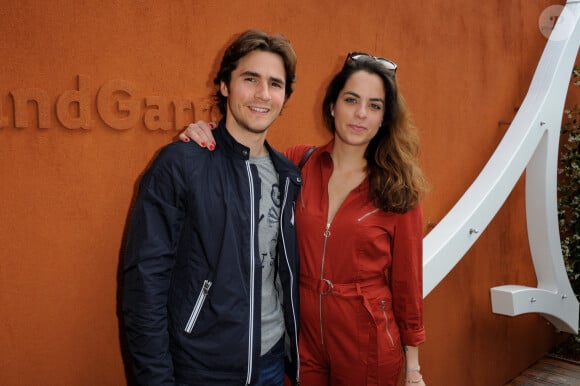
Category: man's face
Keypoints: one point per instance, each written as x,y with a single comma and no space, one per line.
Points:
256,93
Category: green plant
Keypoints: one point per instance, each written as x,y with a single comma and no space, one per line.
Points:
569,187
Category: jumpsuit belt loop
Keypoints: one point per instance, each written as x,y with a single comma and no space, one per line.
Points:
358,289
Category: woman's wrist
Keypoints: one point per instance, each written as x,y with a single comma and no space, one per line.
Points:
413,375
416,379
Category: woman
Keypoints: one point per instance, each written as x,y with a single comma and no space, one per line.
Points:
359,225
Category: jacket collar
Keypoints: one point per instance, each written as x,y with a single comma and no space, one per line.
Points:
284,166
235,149
232,147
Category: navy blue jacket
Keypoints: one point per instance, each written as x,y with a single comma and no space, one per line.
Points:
192,271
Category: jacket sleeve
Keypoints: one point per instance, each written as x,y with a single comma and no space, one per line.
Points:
149,259
407,277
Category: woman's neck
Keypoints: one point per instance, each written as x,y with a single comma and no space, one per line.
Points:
348,158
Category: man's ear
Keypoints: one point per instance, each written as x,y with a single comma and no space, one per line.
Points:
224,88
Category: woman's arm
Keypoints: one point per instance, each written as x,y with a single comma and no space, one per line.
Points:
407,289
201,133
412,369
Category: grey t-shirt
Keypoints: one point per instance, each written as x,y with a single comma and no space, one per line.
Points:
268,227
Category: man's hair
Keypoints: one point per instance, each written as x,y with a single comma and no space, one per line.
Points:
247,42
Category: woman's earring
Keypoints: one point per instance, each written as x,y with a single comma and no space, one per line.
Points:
332,113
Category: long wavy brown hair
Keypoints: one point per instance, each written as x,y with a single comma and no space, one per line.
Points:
397,183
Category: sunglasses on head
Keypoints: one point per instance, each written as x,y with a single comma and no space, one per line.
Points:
388,64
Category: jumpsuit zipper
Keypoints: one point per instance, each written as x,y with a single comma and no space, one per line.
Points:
252,273
326,236
387,323
367,214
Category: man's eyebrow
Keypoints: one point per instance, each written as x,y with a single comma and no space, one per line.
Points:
257,75
354,94
250,73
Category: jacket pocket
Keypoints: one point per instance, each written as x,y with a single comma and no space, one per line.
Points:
197,307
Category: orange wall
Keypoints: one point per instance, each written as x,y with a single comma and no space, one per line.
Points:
68,174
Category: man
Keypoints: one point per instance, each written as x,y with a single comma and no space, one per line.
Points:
211,267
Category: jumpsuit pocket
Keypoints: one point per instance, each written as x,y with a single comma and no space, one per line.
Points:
386,316
379,337
197,307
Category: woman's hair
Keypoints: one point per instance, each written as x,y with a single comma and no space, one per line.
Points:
396,180
247,42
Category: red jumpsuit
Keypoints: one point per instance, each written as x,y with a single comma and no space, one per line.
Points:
360,283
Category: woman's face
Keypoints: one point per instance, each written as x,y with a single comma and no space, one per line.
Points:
359,109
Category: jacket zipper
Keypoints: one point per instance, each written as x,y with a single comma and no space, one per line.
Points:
198,305
387,323
252,274
294,318
326,236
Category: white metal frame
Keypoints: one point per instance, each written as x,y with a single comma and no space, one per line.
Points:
530,144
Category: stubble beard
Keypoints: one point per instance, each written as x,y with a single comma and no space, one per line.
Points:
243,124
